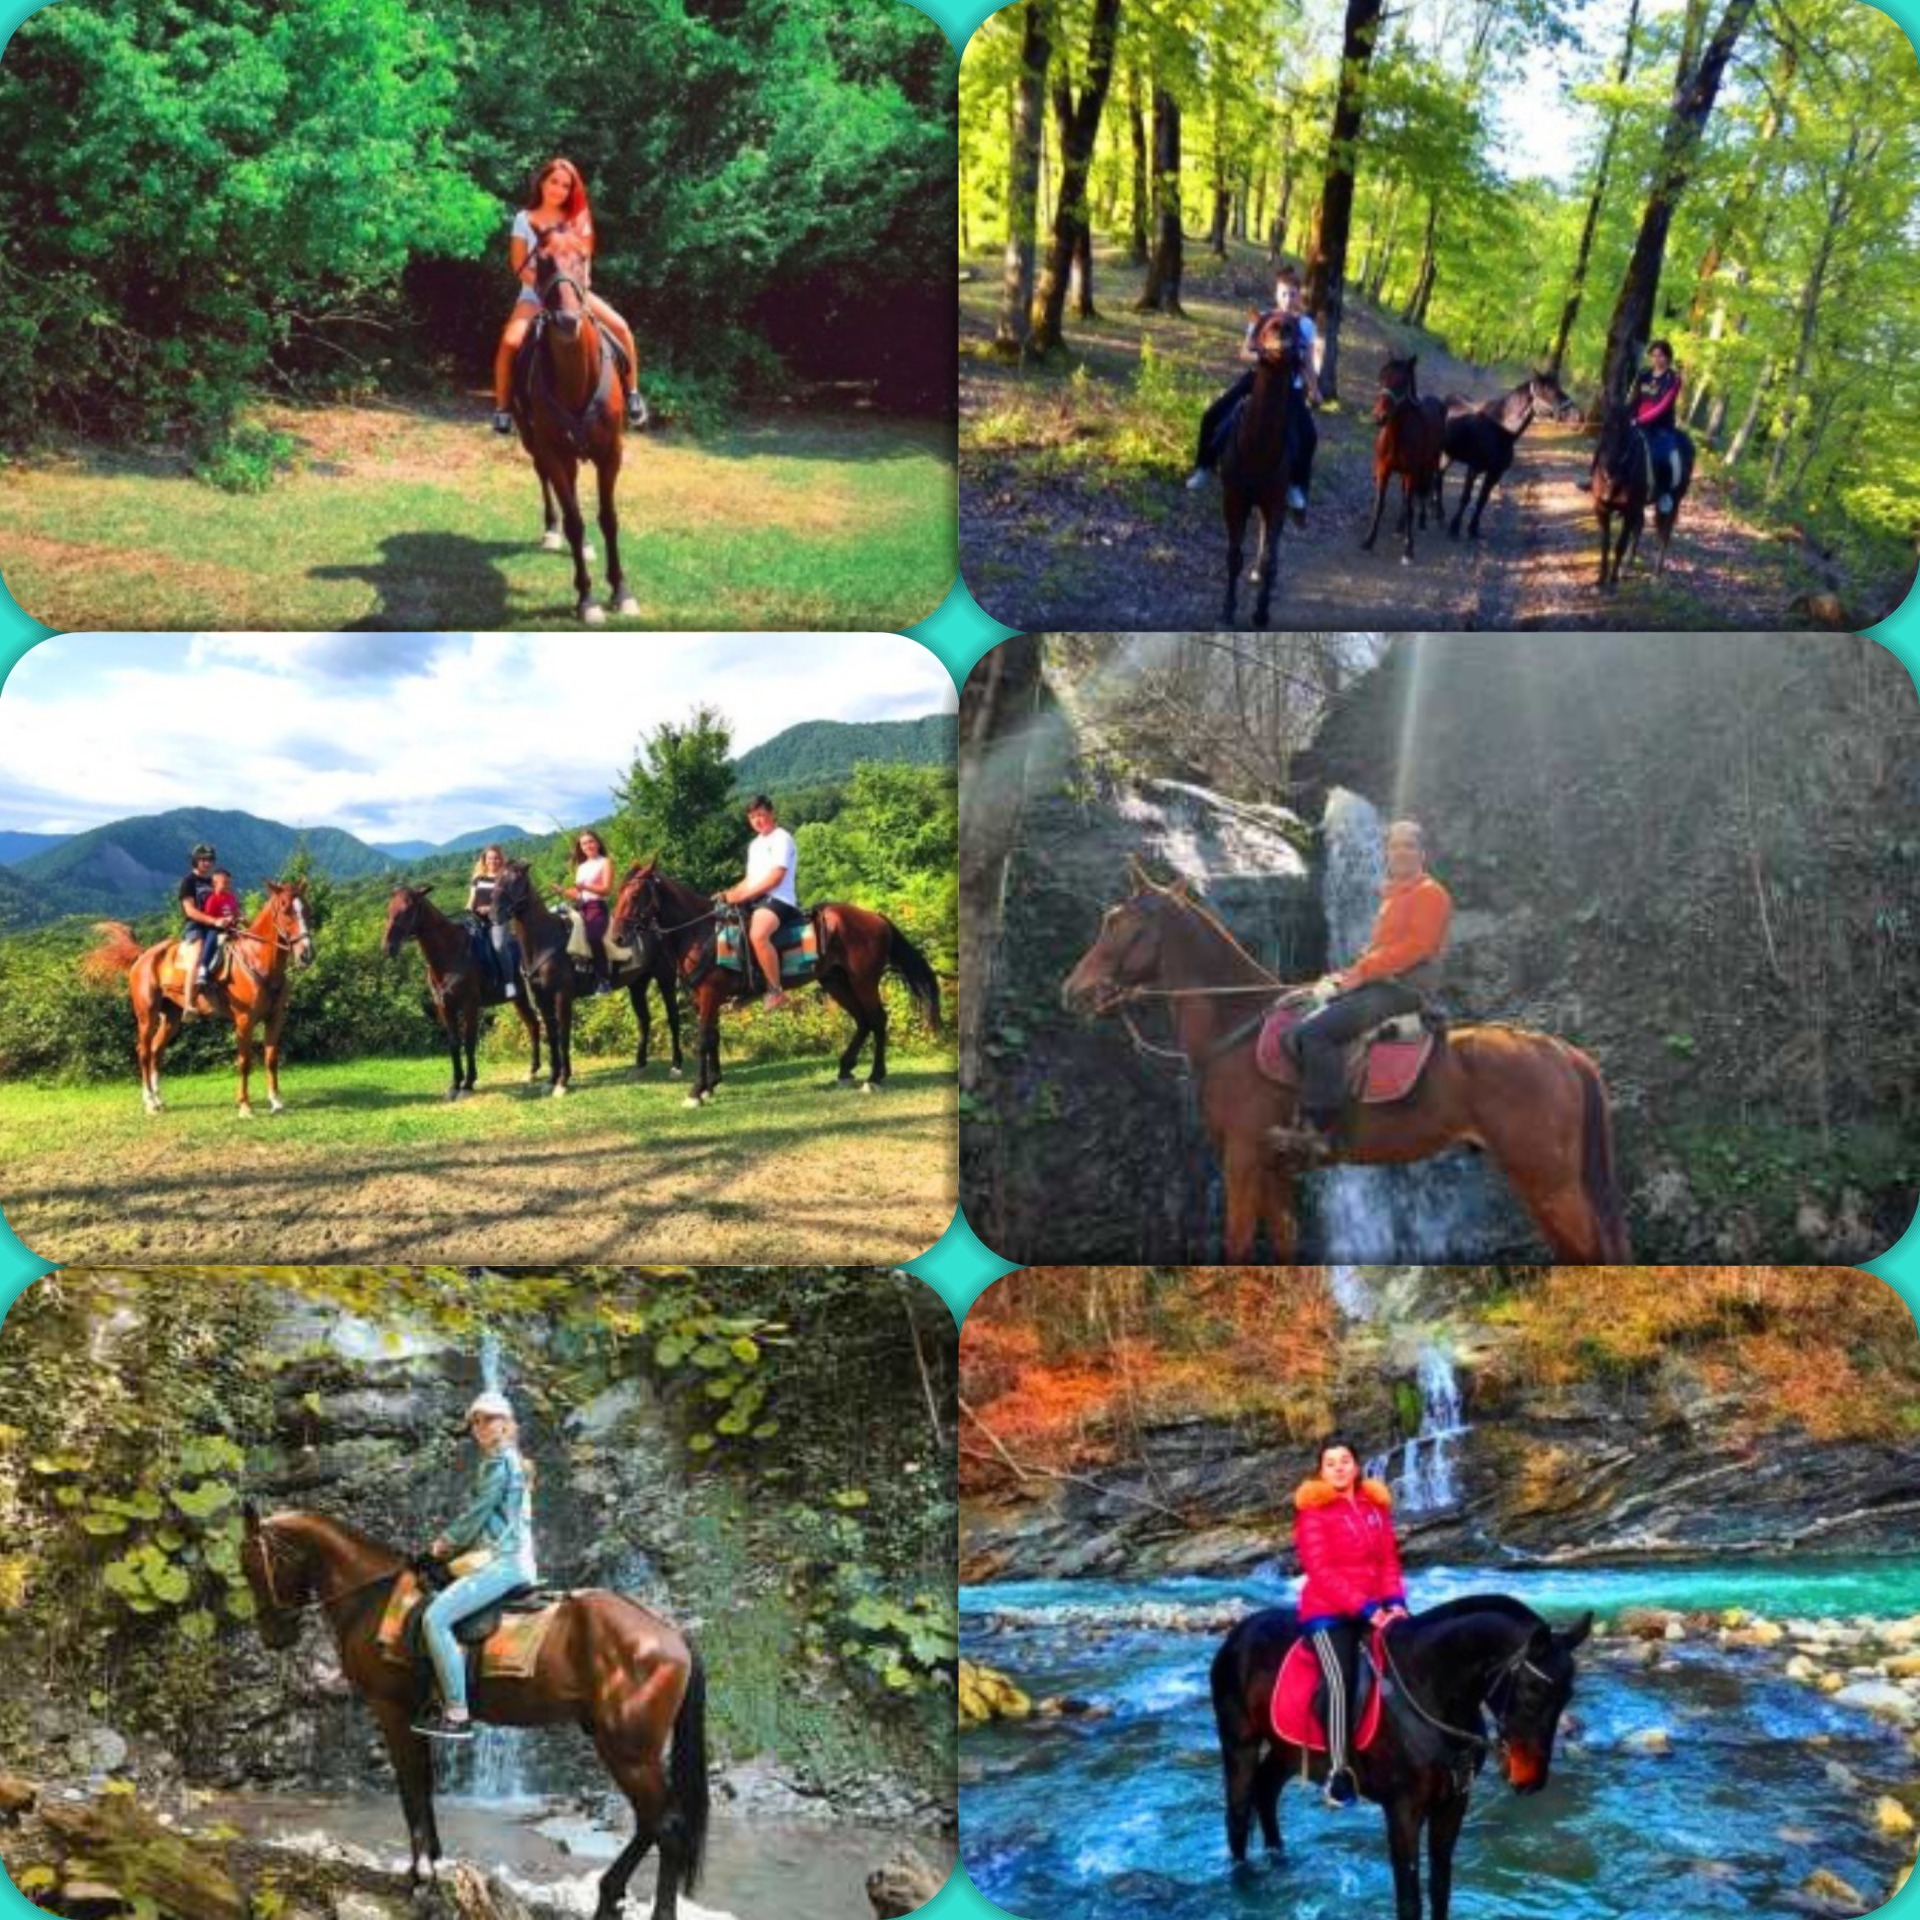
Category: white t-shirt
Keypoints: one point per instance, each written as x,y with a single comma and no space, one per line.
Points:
771,850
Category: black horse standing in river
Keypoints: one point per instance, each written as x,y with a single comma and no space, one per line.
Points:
1449,1669
1483,439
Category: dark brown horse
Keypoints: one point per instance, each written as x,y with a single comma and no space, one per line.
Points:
1481,440
1623,483
857,948
1411,439
1449,1670
1256,466
459,987
622,1675
572,407
1536,1105
556,980
253,996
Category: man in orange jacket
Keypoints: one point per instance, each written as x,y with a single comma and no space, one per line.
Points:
1401,965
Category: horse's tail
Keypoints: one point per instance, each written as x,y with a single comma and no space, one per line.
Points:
687,1771
117,953
1597,1171
913,967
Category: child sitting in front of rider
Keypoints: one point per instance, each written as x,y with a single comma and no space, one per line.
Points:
224,905
1305,434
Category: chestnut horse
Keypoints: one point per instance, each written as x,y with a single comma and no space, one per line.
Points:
1448,1669
1622,483
459,988
630,1681
572,407
1411,439
857,947
253,995
1256,465
1535,1104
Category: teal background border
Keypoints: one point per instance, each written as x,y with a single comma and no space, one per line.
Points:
959,1266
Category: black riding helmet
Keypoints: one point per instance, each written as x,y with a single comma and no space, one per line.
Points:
201,852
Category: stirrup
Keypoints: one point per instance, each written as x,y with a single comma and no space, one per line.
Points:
1352,1794
502,420
638,413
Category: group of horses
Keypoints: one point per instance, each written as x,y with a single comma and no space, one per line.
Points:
665,929
1418,439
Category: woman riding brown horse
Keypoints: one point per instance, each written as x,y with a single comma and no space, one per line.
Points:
458,986
569,409
606,1665
1256,468
857,947
1411,439
1536,1105
255,992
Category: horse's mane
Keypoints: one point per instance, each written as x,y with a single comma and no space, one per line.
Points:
304,1520
1208,919
1503,1604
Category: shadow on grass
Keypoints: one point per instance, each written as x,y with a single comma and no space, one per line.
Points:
429,582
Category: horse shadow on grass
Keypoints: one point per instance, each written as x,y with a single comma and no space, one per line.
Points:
435,582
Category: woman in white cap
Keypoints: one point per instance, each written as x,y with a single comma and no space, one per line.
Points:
491,1546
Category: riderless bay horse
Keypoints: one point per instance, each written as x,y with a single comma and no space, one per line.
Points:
1447,1670
459,987
1623,481
570,407
1412,431
1535,1104
548,970
253,995
630,1681
857,948
1482,440
1256,466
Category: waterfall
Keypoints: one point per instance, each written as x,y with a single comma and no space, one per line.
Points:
1424,1480
1434,1210
495,1760
1351,1294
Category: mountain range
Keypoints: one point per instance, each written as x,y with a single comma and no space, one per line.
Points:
815,753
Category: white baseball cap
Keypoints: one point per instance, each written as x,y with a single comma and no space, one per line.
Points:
491,1405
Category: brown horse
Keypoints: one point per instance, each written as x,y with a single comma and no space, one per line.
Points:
571,407
1410,442
1256,466
459,987
630,1681
253,996
1622,483
857,947
1535,1104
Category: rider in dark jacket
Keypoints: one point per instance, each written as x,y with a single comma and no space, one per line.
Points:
1656,408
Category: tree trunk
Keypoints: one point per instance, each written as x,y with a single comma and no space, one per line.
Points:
1576,290
1139,248
1744,432
1083,306
1333,225
1695,88
1284,210
1415,311
1217,229
1162,291
1078,123
1023,176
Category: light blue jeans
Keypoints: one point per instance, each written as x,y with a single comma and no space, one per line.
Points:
465,1596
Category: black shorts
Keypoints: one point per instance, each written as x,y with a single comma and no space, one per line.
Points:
789,916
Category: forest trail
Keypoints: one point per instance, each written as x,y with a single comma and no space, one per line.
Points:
1073,515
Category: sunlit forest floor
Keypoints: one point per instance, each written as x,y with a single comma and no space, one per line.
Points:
410,518
1073,514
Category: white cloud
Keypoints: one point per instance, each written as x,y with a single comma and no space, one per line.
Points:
393,740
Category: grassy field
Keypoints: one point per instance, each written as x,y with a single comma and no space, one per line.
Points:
369,1162
405,518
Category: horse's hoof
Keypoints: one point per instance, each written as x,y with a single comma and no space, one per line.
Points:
586,550
593,613
244,1113
873,1086
626,607
845,1084
276,1106
553,541
1406,559
559,1088
692,1100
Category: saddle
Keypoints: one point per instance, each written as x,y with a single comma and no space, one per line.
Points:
174,976
503,1640
527,368
580,948
1383,1065
797,946
1300,1698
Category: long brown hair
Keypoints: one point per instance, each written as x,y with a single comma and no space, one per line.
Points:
577,213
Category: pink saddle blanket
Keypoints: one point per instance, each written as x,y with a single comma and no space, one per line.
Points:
1377,1070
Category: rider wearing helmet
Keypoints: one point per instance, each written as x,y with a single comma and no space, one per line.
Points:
1343,1533
496,1534
201,928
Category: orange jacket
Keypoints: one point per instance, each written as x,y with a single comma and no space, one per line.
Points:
1410,928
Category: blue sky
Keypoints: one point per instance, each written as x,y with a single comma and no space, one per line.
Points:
406,736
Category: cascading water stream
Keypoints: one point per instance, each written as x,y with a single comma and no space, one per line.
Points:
1424,1480
496,1760
1434,1210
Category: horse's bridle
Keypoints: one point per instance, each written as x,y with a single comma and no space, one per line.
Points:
269,1545
1509,1672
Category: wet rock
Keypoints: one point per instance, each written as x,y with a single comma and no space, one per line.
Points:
16,1795
1903,1666
362,1906
102,1751
902,1885
1676,1630
1762,1633
118,1837
1649,1740
1831,1682
1890,1816
1066,1707
1802,1669
1881,1699
1832,1893
468,1894
1843,1776
1649,1623
986,1695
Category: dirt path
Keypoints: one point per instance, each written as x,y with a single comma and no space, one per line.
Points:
1073,514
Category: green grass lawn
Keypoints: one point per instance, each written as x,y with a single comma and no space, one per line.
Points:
370,1162
400,518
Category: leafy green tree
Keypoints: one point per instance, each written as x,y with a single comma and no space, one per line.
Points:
677,803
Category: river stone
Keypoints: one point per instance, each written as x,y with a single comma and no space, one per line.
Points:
1840,1775
1902,1633
1831,1682
1648,1623
1676,1630
361,1906
903,1885
1903,1666
1881,1699
1762,1633
1890,1816
1802,1669
16,1795
1649,1740
1830,1890
103,1751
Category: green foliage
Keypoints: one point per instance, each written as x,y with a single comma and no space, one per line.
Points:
818,753
245,459
676,802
